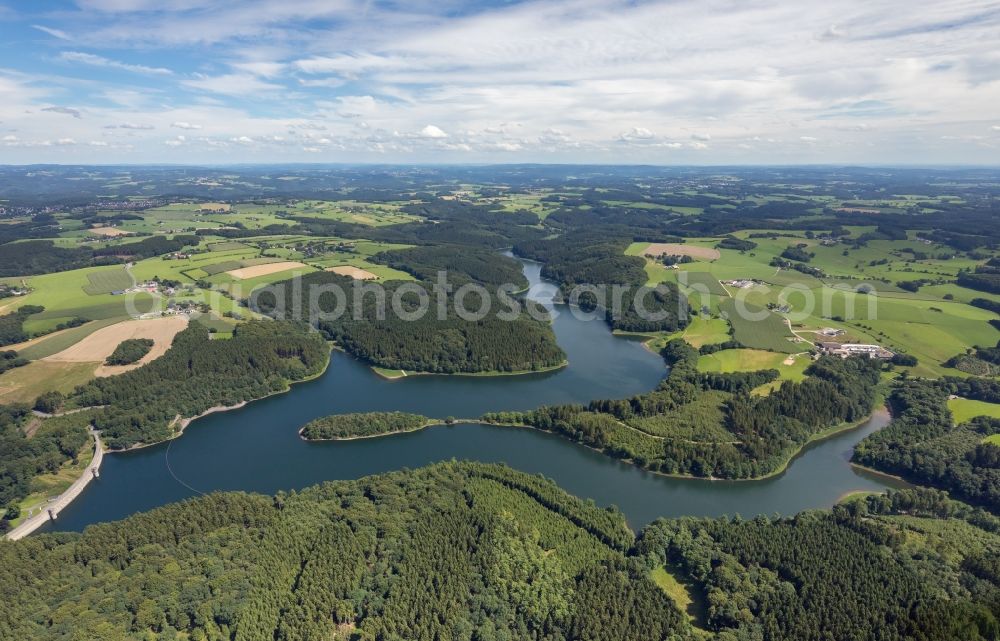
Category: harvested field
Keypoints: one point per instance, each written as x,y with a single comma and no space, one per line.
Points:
244,273
677,249
96,347
108,231
354,272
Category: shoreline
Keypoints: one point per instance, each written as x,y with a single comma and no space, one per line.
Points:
385,373
881,474
430,423
816,438
56,505
185,422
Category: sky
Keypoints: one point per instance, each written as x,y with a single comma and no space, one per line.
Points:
444,81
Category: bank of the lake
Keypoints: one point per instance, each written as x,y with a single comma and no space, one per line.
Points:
256,448
395,374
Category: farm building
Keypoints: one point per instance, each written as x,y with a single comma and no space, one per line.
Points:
851,349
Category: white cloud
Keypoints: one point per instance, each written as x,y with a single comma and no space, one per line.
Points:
100,61
576,80
133,125
431,131
636,133
233,84
55,33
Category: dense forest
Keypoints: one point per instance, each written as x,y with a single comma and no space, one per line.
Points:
708,424
145,405
461,265
923,445
502,341
361,425
478,552
452,551
130,351
886,567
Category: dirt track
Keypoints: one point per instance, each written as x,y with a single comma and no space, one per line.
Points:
99,345
354,272
263,270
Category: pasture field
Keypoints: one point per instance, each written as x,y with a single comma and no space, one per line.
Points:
704,331
963,409
107,281
226,246
58,341
767,332
747,360
25,384
701,282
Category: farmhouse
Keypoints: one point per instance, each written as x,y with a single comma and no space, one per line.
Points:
844,350
742,283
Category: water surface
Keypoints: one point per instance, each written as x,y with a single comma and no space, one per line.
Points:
257,449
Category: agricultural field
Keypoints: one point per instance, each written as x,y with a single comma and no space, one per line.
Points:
758,328
857,293
108,280
964,409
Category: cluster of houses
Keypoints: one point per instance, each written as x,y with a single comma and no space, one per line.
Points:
844,350
742,283
12,290
149,287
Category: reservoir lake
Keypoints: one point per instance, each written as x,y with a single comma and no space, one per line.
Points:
257,449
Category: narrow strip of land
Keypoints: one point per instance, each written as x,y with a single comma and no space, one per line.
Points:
51,510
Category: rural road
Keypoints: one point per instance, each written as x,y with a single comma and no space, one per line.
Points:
64,499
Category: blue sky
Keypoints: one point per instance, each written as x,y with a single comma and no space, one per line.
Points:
675,82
